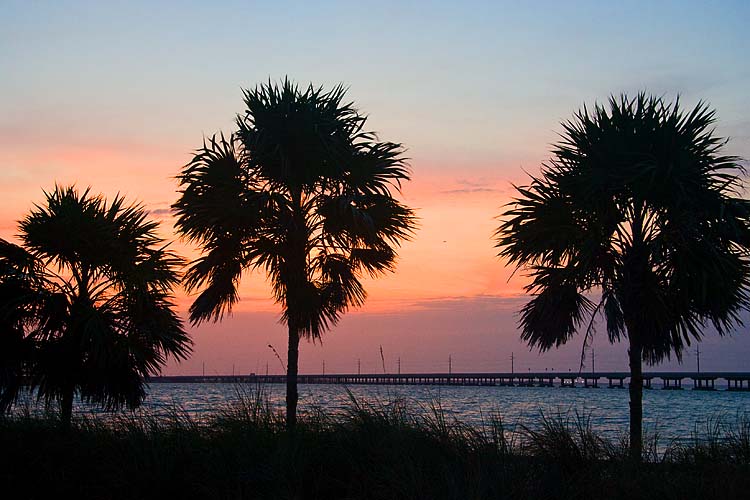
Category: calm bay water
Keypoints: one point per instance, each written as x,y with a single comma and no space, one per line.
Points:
673,414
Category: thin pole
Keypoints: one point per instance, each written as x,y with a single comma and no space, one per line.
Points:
593,361
359,366
512,365
399,365
450,364
324,367
204,368
698,357
266,368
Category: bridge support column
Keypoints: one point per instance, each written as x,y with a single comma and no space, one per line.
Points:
590,382
738,384
618,385
703,384
672,384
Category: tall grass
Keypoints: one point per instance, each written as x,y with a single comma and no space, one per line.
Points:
717,441
392,449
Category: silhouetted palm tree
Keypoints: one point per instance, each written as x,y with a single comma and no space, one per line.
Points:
303,193
639,204
85,303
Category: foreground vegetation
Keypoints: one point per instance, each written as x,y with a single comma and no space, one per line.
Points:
367,451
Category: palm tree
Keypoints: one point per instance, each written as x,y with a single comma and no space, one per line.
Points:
302,192
640,208
86,304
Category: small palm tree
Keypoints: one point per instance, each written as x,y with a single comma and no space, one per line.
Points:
302,192
639,205
85,303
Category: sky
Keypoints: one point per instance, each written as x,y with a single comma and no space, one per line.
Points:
116,96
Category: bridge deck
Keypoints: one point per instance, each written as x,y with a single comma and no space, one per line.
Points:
670,380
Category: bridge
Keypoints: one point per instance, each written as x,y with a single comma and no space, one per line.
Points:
732,381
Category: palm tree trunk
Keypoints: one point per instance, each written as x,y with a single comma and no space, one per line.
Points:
291,378
66,409
635,353
297,238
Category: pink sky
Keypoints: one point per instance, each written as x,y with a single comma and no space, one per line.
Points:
450,296
117,97
451,259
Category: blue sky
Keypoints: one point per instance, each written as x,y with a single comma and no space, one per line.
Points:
455,81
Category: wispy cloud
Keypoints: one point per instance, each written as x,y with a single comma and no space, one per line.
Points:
472,186
471,190
474,302
161,211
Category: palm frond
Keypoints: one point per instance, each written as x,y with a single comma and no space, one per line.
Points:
86,303
301,191
554,315
639,202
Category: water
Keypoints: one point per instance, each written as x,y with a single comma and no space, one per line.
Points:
673,414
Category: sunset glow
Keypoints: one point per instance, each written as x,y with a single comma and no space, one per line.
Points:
477,100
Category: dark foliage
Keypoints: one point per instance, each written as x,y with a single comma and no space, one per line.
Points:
640,203
301,192
85,303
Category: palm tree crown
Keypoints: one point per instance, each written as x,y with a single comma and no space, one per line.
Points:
638,203
85,302
302,192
